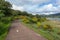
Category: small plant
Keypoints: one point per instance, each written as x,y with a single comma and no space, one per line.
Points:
38,24
47,27
34,19
58,33
6,20
25,20
22,17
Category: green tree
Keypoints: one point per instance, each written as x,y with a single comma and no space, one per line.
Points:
5,7
25,13
16,12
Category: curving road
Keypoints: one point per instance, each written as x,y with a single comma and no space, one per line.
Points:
20,32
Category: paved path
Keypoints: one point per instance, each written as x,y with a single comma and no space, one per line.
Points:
20,32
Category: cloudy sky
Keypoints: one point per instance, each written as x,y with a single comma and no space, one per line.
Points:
36,6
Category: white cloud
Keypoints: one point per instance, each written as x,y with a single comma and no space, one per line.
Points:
17,7
33,6
28,2
49,9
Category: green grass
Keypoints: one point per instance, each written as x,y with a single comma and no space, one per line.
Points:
4,31
4,25
3,36
48,35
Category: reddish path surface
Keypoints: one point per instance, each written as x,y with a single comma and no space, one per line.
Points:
23,34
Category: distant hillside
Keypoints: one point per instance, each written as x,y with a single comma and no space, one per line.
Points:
54,15
57,14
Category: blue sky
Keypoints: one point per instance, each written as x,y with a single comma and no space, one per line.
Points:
36,6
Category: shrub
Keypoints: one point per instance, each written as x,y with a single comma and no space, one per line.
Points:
22,17
33,20
38,24
47,27
3,28
42,19
6,19
58,33
25,20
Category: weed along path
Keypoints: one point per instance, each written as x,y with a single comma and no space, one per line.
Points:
20,32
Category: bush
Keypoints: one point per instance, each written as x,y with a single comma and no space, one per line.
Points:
47,27
3,28
33,19
6,20
22,17
25,20
42,19
38,24
58,33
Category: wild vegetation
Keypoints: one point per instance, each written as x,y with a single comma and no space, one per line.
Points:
7,15
36,22
42,26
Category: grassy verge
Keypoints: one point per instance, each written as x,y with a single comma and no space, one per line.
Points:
2,37
53,35
4,25
4,32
